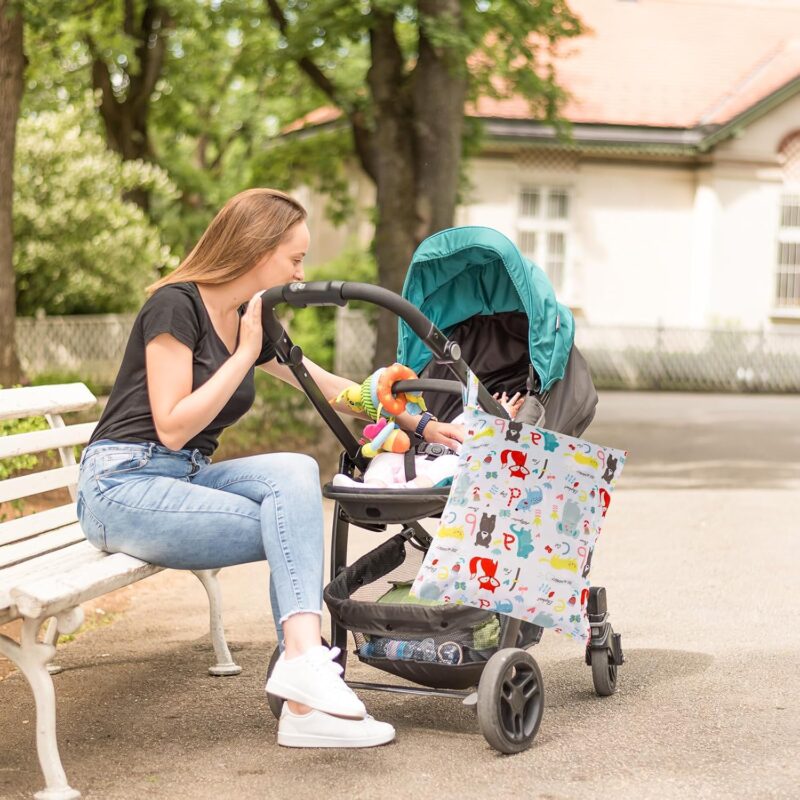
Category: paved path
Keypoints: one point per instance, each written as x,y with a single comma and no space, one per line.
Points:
699,557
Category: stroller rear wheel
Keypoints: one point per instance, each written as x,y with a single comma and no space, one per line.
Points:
510,700
276,703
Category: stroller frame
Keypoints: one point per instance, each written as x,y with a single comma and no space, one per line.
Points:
509,729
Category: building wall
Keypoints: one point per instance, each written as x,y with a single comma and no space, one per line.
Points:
676,244
748,179
630,233
742,272
329,240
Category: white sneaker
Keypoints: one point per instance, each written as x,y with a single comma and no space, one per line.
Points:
317,729
315,679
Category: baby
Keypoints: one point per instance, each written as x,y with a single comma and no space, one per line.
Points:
388,469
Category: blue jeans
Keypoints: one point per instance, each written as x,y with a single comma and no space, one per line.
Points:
174,508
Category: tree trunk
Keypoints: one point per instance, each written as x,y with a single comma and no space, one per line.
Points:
393,152
12,66
416,150
439,93
126,120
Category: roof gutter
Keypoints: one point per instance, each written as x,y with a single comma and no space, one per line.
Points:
591,136
680,141
693,141
750,115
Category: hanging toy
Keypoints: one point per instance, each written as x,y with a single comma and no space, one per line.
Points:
374,398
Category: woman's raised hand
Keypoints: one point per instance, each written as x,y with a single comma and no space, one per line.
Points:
251,331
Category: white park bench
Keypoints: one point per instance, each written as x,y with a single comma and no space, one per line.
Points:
47,568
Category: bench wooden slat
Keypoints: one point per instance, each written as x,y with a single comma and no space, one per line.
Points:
36,441
34,401
67,558
24,527
14,488
44,543
69,589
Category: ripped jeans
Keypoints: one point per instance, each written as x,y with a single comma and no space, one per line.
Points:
174,508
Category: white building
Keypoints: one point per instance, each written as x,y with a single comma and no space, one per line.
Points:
678,201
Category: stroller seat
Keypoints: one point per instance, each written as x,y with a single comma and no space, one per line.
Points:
387,505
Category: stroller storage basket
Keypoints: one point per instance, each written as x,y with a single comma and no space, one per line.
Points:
438,626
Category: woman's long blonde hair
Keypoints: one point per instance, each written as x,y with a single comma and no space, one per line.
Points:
248,227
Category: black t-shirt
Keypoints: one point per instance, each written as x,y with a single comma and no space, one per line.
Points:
177,309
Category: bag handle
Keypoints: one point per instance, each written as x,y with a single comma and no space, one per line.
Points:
470,390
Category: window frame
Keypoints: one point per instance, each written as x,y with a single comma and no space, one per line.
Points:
542,226
787,235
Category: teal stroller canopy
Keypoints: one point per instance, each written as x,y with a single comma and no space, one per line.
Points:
459,273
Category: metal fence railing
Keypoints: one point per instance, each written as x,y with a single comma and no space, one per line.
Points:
91,347
87,346
641,358
691,359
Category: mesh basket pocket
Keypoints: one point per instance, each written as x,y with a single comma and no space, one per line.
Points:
392,620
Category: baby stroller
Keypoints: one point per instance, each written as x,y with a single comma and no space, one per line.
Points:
469,298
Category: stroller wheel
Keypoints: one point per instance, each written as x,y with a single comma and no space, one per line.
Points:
510,700
275,702
604,673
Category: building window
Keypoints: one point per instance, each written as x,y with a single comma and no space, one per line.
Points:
543,230
787,275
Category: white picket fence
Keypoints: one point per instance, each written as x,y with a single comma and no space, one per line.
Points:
91,347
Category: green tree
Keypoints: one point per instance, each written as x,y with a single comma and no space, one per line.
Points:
80,247
12,66
126,75
424,60
220,102
192,86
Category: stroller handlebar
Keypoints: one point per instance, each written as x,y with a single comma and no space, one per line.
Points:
339,293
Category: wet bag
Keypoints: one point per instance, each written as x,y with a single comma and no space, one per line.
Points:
521,523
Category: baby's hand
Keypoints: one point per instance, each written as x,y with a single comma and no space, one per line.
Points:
513,405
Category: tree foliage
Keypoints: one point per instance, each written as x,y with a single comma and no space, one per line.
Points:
403,97
79,246
206,87
216,96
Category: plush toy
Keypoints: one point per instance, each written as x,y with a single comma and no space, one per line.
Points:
374,398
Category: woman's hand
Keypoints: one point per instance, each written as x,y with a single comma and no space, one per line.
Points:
251,331
445,433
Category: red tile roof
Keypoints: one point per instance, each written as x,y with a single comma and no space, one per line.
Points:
672,63
664,63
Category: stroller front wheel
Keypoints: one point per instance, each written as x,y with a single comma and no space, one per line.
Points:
604,673
510,700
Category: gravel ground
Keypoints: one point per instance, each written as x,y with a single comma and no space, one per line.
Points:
697,555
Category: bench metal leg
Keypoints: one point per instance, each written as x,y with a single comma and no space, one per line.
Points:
225,664
32,658
51,637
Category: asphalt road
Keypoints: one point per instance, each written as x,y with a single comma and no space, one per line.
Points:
698,554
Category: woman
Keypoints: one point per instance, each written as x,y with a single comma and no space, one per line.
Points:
147,486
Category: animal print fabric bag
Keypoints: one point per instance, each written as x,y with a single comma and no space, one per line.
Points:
521,523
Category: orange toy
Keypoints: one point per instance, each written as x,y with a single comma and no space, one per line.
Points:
397,372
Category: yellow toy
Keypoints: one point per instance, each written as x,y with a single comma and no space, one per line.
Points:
374,398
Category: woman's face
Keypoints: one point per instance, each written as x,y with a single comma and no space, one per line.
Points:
285,263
